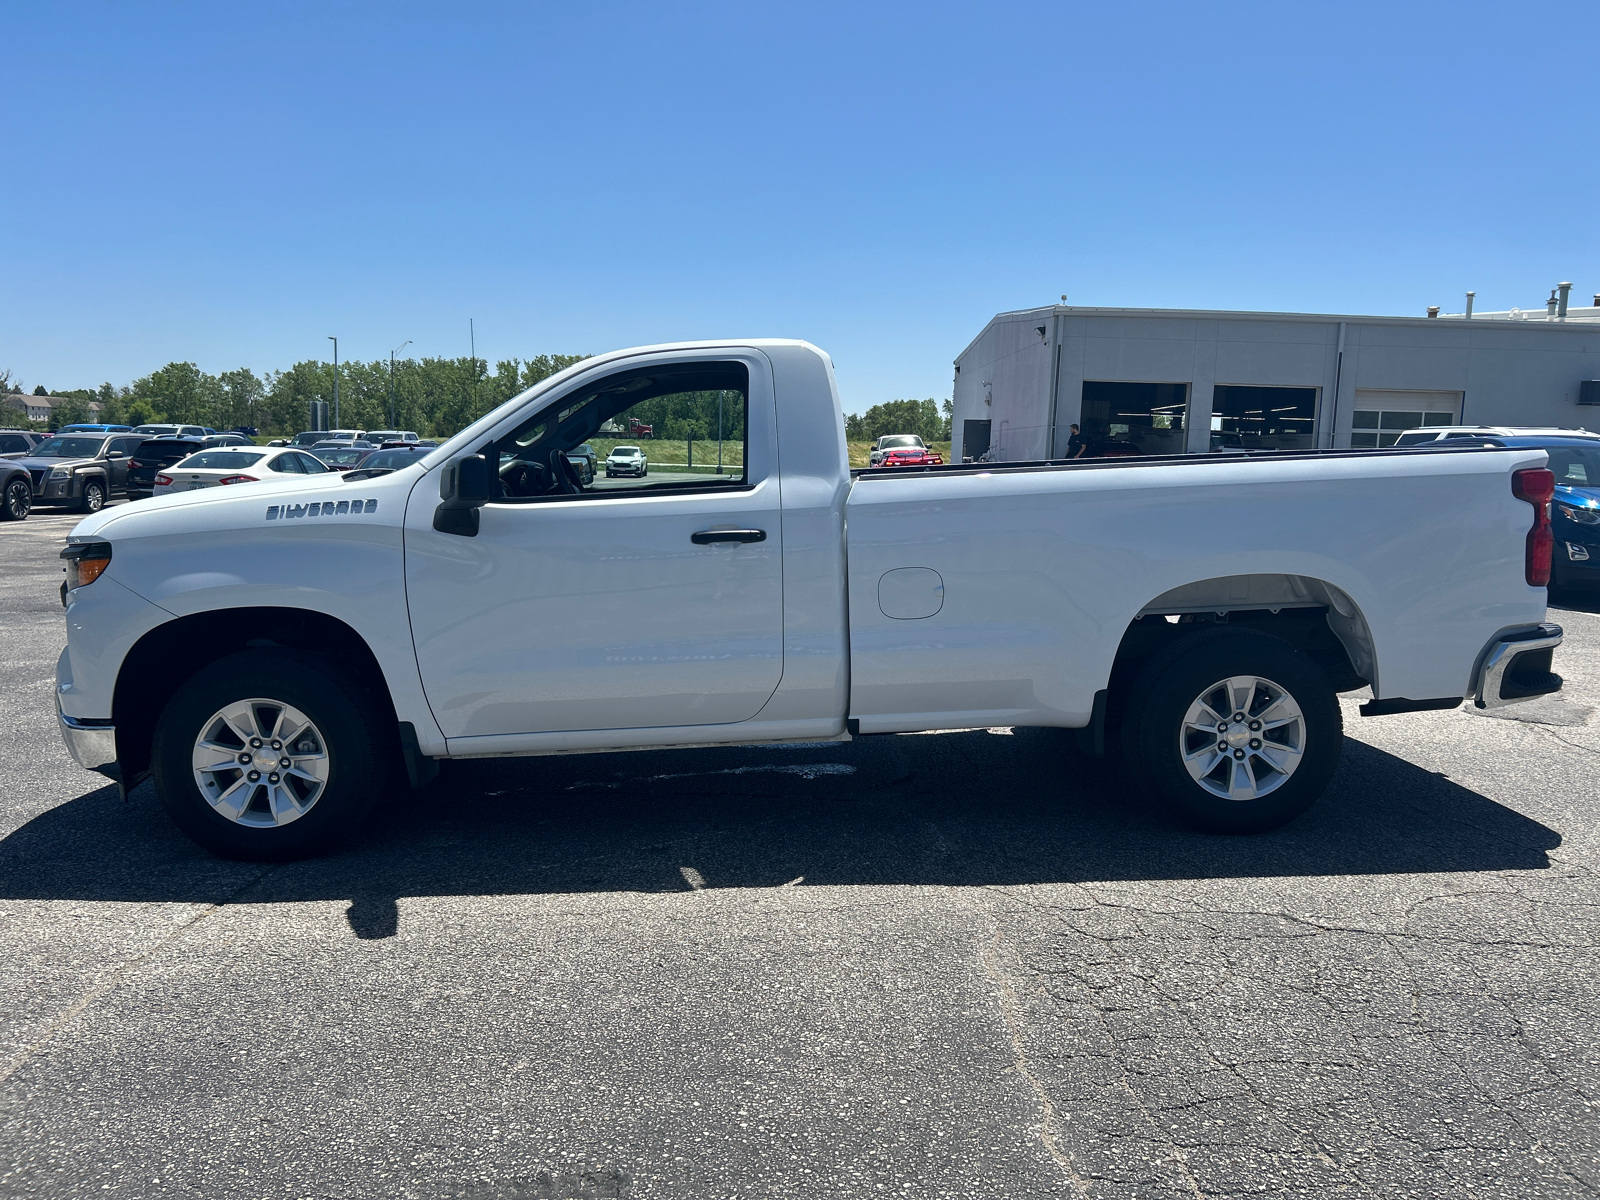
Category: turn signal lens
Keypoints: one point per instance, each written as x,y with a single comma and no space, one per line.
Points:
86,562
238,479
1536,486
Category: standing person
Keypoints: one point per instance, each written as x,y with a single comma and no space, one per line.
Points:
1077,444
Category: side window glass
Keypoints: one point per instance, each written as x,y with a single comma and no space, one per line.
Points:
312,465
669,428
287,463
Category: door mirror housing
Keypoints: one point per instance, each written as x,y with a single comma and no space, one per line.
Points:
463,490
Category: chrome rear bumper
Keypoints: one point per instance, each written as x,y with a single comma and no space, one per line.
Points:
92,744
1517,667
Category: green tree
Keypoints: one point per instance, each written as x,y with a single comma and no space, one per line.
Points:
69,410
183,391
921,417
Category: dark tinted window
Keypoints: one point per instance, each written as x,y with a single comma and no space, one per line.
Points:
224,460
10,443
1575,466
311,465
287,463
392,460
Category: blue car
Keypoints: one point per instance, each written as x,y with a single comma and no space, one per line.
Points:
1575,510
95,429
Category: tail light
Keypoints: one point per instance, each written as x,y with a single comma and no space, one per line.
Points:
163,480
1536,486
253,479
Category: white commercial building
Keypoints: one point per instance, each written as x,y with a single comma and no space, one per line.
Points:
1177,381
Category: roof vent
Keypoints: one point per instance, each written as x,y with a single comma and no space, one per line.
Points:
1433,310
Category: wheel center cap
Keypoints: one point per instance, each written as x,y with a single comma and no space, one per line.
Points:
1238,734
266,759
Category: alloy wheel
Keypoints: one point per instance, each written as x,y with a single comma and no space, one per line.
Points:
1242,738
260,763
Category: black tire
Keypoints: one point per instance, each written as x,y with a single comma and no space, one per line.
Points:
94,497
17,502
1153,729
361,753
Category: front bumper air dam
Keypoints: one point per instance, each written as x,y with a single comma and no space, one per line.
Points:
92,744
1517,667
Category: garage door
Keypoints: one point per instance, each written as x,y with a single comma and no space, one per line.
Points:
1381,417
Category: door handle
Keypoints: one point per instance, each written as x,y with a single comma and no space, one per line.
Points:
707,537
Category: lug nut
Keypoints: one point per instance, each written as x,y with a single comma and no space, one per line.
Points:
1255,743
1255,724
256,742
1238,753
276,744
1236,716
1222,727
273,778
285,763
1223,747
244,758
254,776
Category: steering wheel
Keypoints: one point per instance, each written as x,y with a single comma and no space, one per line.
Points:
522,478
567,480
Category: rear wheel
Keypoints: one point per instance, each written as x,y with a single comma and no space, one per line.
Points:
94,497
1236,731
17,502
270,755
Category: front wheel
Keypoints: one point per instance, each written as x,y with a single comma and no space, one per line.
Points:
94,498
17,502
1235,730
269,755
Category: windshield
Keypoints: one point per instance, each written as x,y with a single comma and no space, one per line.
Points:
223,460
889,443
69,447
343,456
389,460
155,429
1575,466
624,451
164,451
1415,439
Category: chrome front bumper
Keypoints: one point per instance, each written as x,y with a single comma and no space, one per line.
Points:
1517,667
92,744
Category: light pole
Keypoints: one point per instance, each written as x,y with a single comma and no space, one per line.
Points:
719,433
392,353
335,342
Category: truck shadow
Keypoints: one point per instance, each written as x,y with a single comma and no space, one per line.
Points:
954,809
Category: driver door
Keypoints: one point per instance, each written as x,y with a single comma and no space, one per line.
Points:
633,603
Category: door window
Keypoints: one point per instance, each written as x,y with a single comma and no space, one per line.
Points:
677,428
310,463
289,464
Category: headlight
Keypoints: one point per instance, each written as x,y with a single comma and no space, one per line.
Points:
60,472
1580,516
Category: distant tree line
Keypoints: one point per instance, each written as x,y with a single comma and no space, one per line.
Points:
921,417
436,397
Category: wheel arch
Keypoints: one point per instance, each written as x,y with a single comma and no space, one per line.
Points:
147,677
1316,616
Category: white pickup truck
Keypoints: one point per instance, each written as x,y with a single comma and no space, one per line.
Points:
274,657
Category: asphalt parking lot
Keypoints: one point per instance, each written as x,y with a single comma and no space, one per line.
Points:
955,965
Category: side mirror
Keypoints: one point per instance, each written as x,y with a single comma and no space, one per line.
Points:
463,490
114,454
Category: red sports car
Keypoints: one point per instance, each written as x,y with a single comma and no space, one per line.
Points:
911,456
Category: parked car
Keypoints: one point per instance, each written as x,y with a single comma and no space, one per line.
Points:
309,438
154,455
17,442
165,430
627,460
344,435
1440,433
377,619
81,470
16,491
588,463
342,456
226,466
380,436
95,429
1113,449
910,456
893,441
392,458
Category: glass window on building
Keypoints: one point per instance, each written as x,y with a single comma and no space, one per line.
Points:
1372,427
1263,418
1147,416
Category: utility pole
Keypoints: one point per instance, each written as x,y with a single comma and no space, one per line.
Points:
392,353
472,334
719,433
335,342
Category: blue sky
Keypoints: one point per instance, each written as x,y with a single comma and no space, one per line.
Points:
228,184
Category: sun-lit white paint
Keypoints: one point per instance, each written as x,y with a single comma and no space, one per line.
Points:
1039,572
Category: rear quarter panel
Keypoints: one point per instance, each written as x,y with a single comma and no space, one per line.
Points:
1044,569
